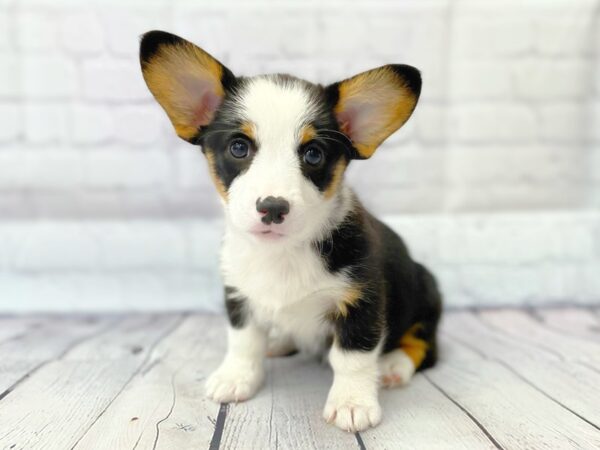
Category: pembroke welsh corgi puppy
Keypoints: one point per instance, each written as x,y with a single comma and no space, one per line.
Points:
305,266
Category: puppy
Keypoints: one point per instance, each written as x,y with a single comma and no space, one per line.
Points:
301,257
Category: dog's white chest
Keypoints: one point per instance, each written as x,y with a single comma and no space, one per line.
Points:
290,290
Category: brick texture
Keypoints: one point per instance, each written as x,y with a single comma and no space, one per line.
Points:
479,259
498,77
508,122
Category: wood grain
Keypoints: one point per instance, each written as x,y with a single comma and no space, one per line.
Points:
28,351
525,327
53,408
506,379
287,411
513,413
581,322
16,327
419,416
566,383
164,405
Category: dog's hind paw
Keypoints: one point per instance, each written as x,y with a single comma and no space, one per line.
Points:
395,369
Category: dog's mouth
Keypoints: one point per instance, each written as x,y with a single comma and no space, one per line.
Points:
267,233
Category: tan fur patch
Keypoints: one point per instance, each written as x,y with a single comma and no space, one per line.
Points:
336,180
392,104
350,298
307,134
414,347
171,75
249,129
213,174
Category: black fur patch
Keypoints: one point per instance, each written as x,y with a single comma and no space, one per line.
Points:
397,292
216,137
153,40
226,126
333,149
216,140
236,307
410,75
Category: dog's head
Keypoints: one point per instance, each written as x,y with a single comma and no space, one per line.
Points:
277,146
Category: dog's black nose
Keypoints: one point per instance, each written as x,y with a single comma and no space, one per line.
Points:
273,209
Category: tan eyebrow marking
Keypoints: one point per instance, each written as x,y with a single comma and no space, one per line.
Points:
249,129
307,133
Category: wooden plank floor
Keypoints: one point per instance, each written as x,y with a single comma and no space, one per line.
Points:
507,378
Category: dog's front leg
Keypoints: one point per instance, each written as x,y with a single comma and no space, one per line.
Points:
242,371
352,403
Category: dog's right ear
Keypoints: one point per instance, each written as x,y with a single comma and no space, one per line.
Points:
185,80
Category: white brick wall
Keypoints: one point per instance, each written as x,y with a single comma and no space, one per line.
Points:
509,120
479,259
498,76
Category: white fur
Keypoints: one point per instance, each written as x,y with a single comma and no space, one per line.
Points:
285,281
278,113
280,343
352,403
286,286
396,368
242,371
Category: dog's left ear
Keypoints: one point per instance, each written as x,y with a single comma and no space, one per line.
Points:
185,80
370,106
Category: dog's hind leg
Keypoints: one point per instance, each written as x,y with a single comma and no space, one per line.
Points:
416,349
397,367
280,344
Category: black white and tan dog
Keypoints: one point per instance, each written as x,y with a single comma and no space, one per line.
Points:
305,265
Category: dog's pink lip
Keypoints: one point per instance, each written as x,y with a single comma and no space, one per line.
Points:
266,232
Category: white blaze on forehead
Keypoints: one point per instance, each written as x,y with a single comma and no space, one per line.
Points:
278,109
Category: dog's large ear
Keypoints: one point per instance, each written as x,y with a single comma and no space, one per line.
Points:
185,80
370,106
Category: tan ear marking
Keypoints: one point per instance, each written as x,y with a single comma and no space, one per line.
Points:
186,82
374,104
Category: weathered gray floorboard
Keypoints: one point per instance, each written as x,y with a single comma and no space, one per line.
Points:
525,327
287,412
12,327
54,407
164,406
571,385
581,322
29,350
419,416
506,378
515,412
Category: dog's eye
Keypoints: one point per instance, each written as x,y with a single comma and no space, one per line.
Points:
239,148
313,155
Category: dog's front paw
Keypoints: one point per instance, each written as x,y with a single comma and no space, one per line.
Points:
234,382
351,413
